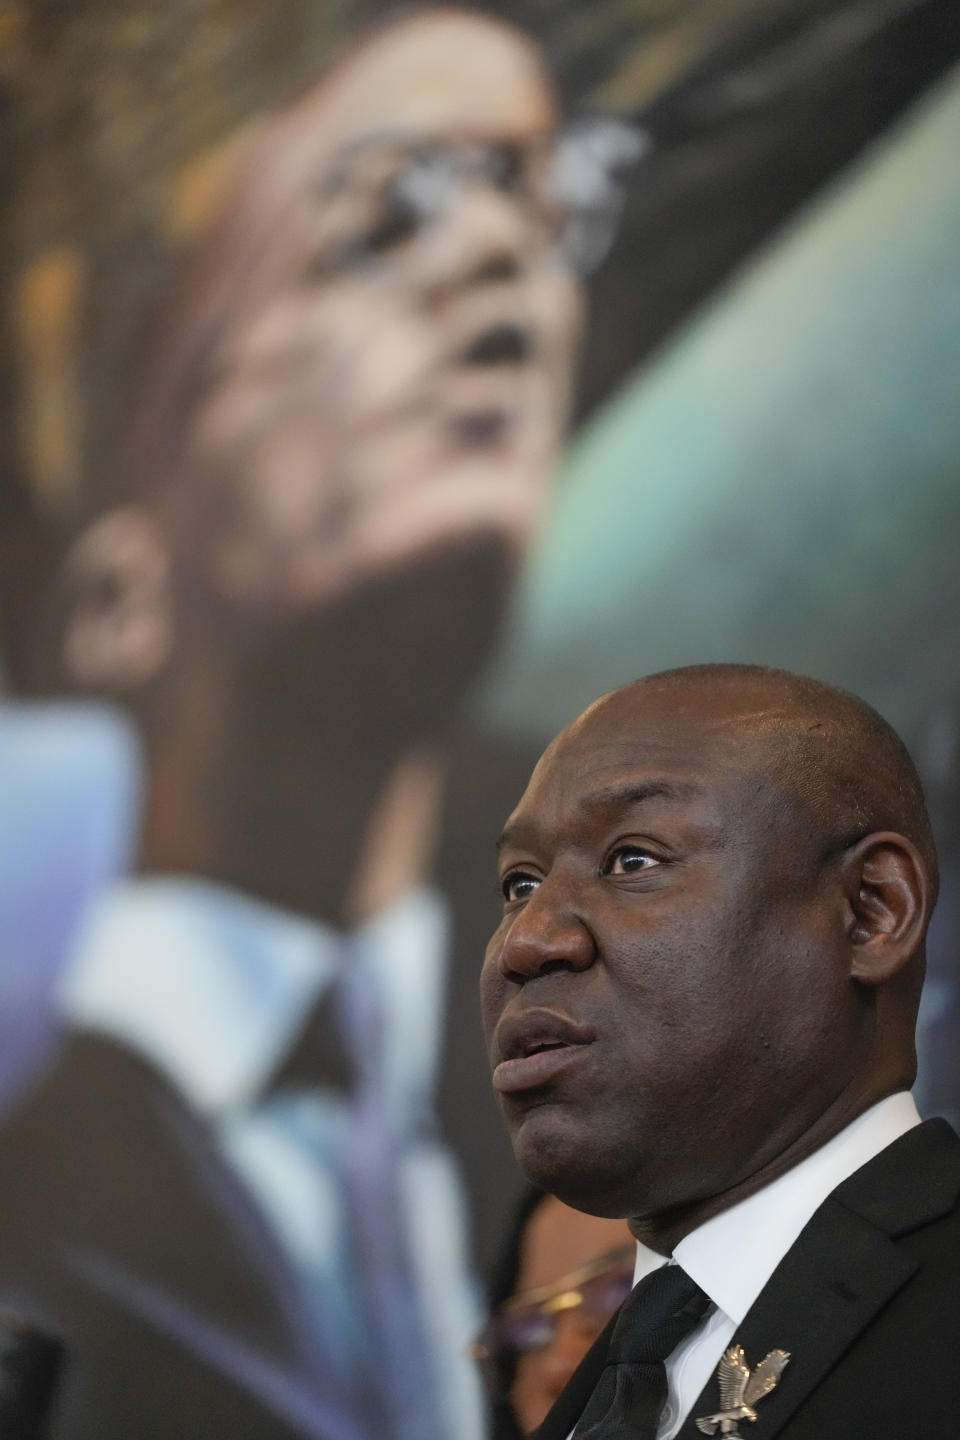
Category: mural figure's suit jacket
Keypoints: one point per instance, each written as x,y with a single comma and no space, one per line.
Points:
154,1254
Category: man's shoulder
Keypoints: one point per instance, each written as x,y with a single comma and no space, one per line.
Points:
897,1287
913,1183
867,1302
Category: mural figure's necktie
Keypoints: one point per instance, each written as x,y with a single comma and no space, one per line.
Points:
372,1176
340,1049
630,1394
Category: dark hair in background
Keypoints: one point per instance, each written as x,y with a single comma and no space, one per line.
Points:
502,1284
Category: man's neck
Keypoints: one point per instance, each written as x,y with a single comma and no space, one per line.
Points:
663,1232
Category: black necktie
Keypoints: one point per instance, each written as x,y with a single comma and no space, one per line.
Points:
629,1396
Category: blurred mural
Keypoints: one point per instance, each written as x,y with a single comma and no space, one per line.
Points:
379,385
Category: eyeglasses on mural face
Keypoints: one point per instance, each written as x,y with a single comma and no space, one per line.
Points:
529,1320
387,191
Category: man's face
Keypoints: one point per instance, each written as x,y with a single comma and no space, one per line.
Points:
666,999
394,372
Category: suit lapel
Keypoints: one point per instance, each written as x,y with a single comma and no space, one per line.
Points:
843,1268
826,1290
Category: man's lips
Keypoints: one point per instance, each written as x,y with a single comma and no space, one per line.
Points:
534,1046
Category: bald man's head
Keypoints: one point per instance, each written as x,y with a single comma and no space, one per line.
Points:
834,754
716,889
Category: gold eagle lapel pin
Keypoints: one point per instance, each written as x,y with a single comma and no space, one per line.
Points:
741,1388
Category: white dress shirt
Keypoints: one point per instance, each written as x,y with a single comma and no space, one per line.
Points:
732,1256
211,986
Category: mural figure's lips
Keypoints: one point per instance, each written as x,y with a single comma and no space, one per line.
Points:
481,430
535,1046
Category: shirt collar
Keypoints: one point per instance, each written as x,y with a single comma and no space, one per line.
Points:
732,1256
209,984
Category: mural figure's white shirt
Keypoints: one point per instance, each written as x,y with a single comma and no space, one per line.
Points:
211,986
732,1256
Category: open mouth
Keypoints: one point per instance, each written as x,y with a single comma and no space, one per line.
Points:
537,1067
537,1047
503,344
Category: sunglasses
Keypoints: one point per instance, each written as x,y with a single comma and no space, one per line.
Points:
400,189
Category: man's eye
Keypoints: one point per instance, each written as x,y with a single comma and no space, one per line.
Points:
629,860
518,885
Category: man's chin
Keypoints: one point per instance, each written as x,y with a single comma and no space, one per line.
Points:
564,1153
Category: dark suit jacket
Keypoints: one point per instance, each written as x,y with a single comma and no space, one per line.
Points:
123,1230
867,1302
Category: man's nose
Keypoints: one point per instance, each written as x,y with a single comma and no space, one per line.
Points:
548,933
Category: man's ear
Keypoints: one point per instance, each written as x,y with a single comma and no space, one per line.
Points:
888,897
119,624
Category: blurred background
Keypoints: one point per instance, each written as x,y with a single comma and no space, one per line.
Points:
379,385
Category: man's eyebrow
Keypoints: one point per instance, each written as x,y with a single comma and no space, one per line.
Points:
619,797
616,797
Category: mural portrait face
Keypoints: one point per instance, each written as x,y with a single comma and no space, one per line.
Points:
397,373
370,364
